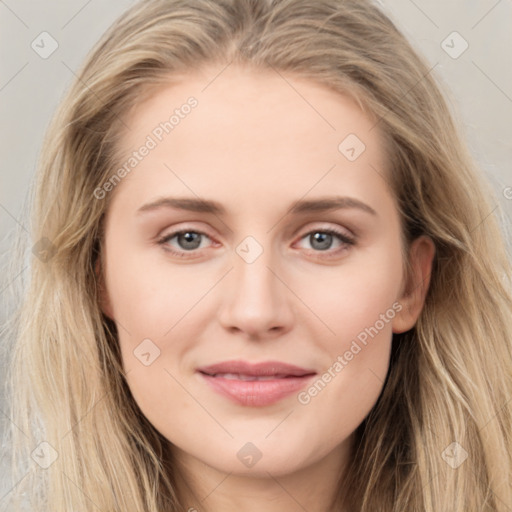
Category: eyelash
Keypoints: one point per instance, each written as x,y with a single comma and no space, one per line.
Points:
346,240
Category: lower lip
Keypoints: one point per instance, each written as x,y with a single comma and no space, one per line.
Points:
256,393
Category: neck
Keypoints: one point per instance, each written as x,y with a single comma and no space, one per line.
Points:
203,488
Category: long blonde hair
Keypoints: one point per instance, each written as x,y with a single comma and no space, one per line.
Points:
450,376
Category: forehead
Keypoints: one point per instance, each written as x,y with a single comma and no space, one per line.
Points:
250,131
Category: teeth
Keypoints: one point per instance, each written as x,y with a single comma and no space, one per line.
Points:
237,376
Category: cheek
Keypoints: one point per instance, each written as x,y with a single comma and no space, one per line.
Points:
358,304
356,363
343,396
156,307
354,296
163,396
150,296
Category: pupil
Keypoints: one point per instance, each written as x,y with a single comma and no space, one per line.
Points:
190,243
323,238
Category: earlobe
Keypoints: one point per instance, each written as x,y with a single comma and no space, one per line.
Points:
421,257
104,300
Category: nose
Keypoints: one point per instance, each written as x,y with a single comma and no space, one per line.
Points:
255,299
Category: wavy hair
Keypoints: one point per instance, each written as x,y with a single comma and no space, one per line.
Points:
450,377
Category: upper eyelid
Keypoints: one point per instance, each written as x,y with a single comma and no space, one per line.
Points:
177,231
325,226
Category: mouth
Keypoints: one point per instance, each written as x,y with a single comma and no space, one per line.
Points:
258,384
241,376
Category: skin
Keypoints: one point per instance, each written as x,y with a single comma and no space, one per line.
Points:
256,145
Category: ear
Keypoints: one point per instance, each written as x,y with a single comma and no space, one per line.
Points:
421,256
105,304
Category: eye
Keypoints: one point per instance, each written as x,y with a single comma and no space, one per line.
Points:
188,241
321,240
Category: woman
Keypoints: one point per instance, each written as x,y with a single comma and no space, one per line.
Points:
251,372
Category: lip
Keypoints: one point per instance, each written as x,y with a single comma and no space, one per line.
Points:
262,369
280,380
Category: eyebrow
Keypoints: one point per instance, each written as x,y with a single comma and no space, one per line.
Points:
322,204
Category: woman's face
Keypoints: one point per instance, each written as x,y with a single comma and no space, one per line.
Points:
263,273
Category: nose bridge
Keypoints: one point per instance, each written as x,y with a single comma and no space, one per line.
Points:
252,272
254,299
253,280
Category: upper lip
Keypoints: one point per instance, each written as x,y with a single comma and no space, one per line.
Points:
262,369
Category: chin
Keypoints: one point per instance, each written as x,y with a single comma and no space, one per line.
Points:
258,459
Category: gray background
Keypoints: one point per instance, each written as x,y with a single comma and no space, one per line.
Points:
478,86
